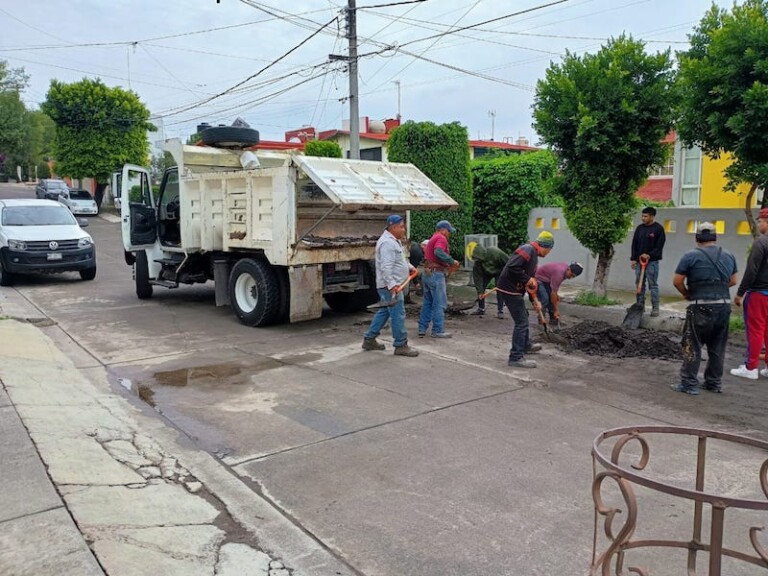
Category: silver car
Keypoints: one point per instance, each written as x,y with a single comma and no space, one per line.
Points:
79,202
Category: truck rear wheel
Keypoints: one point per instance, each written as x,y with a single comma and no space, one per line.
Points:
254,292
141,272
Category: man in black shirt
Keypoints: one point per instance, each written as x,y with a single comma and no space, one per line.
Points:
647,245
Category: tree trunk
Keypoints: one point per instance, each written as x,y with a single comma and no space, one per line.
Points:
600,283
99,194
748,210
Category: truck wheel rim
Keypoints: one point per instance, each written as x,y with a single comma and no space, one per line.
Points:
245,293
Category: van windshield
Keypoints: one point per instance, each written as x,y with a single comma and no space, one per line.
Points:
37,216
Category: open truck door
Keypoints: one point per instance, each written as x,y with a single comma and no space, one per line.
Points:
137,209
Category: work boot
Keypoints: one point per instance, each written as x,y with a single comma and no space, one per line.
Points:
442,335
533,348
406,350
372,344
522,363
655,311
692,390
477,312
500,315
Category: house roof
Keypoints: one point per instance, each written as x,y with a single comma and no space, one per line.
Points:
327,134
500,145
657,189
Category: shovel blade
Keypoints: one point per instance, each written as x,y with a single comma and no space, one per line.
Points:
381,304
634,317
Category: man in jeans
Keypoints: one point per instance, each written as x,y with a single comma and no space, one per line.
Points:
517,276
487,264
647,246
437,262
703,277
392,269
550,277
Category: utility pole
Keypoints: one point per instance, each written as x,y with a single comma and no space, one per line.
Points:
492,114
397,83
354,104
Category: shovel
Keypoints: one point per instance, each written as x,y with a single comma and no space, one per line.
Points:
635,312
391,302
554,338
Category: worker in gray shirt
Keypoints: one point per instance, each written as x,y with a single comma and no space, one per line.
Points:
392,270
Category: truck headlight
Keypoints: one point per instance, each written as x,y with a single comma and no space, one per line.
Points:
17,245
84,243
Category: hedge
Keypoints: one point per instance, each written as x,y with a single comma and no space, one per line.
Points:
442,153
324,148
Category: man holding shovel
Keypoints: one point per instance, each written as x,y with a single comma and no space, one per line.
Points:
647,247
703,276
550,277
392,274
517,277
487,264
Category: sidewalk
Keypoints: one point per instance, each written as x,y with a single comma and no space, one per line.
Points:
92,486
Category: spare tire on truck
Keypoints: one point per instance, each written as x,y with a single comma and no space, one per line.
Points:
229,136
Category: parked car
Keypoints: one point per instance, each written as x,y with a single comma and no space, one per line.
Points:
42,236
79,202
50,188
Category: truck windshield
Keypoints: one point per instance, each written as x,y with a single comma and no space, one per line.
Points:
37,216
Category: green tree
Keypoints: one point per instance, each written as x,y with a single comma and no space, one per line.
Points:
604,115
13,118
160,163
325,148
724,92
506,188
442,153
98,129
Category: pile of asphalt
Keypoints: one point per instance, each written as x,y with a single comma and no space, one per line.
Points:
598,338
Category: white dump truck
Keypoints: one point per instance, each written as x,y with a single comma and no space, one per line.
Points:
277,233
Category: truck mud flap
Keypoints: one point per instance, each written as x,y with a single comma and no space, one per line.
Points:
306,292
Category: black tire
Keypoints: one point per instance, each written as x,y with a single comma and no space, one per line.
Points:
284,309
254,292
6,278
229,136
348,302
130,258
141,272
88,273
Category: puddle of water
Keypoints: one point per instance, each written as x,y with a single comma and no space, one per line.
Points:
212,374
302,358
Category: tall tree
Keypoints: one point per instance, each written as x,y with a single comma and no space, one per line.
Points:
604,115
724,92
98,129
13,124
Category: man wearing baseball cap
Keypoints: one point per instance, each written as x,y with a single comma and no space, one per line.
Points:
437,262
518,274
703,276
753,293
392,270
550,277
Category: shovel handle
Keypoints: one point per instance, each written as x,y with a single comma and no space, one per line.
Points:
643,263
487,293
400,287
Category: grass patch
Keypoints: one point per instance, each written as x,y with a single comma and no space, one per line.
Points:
736,323
589,298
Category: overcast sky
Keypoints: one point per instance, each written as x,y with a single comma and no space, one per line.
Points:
180,55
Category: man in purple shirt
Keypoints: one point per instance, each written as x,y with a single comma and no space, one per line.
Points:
550,276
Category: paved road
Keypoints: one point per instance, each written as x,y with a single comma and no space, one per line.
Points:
445,464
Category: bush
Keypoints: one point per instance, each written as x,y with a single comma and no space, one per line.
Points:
324,148
589,298
442,153
43,170
506,188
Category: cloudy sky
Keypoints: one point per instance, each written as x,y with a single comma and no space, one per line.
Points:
198,60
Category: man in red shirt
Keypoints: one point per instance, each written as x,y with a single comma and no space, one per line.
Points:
437,261
550,277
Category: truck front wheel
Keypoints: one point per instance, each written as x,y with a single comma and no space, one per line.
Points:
254,292
141,272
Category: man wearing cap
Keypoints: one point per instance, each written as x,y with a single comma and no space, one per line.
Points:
550,277
517,275
392,270
647,246
437,262
703,276
487,264
753,294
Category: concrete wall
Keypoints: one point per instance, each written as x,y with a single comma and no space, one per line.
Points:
680,226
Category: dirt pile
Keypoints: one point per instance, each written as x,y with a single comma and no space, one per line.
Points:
602,339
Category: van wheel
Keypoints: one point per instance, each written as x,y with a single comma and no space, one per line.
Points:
88,273
254,292
6,278
141,272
